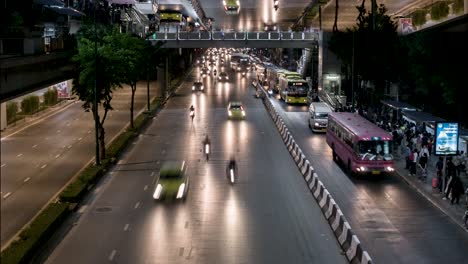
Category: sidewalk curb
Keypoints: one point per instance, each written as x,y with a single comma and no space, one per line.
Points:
432,200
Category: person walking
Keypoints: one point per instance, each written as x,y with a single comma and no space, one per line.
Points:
457,190
414,159
407,156
423,166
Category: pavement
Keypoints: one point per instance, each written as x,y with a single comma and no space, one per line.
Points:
454,211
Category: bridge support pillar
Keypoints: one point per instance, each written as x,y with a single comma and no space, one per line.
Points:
466,6
3,116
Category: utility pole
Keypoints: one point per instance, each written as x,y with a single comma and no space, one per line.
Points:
320,17
374,6
95,104
352,77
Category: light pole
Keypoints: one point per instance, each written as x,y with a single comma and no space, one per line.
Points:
95,105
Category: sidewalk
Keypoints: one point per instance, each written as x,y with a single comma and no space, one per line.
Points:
455,211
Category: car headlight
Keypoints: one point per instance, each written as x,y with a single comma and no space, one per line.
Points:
316,124
201,87
193,87
243,113
180,192
158,191
227,78
361,168
219,78
229,113
390,169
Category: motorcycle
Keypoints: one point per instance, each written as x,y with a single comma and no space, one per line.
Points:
207,150
231,172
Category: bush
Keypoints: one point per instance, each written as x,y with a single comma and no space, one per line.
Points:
458,7
30,104
12,110
51,97
120,142
419,17
76,189
35,235
439,10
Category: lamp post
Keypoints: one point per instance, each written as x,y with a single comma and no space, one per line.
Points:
95,105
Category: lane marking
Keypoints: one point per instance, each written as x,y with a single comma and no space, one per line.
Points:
112,254
58,155
69,146
146,188
186,224
97,189
34,146
3,165
43,166
27,179
152,174
137,205
89,131
80,139
126,227
181,252
6,195
19,155
58,131
82,209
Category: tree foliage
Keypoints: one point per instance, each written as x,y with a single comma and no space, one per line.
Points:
458,7
419,17
439,10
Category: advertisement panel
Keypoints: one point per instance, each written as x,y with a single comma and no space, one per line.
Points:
406,25
446,142
63,90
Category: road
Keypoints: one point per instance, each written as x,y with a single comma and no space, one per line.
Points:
268,216
38,161
393,222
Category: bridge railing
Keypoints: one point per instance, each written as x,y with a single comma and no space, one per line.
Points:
219,35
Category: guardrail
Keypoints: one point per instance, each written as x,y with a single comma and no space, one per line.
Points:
220,35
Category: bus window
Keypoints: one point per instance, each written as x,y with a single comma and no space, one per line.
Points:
375,150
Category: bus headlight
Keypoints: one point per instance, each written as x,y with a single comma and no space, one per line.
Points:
316,124
362,168
229,113
390,169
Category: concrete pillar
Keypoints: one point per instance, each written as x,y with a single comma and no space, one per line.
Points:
3,116
466,6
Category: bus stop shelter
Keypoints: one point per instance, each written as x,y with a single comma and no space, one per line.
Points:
395,108
418,117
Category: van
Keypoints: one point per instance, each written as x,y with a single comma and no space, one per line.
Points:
318,116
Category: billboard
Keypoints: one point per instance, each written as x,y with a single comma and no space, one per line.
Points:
63,90
446,142
406,25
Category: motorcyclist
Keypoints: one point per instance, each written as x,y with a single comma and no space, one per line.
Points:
231,166
206,140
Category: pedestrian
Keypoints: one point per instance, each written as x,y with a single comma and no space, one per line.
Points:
457,190
439,167
407,156
423,166
413,162
423,151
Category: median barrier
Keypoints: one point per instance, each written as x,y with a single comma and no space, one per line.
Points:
341,228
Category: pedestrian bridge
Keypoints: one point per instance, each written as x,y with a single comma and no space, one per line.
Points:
219,39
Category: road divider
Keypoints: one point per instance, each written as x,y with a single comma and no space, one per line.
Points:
348,241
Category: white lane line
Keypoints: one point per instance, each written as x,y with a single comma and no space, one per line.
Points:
34,146
43,166
6,195
146,188
56,156
69,146
97,189
112,255
80,139
152,174
58,131
82,209
27,179
137,205
89,131
3,165
126,227
19,155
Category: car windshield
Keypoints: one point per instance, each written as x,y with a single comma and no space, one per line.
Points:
198,83
321,115
375,150
235,107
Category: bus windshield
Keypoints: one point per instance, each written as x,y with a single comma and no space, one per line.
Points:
375,150
297,89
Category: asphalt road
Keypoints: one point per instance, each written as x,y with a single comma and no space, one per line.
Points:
268,216
393,222
38,161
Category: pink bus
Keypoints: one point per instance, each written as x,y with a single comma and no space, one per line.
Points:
362,146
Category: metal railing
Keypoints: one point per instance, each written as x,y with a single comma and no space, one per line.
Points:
219,35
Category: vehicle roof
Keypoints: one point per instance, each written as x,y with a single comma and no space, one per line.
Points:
320,107
362,128
172,169
422,116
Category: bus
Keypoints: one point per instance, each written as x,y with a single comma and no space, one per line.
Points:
363,147
293,90
273,78
232,7
236,59
171,21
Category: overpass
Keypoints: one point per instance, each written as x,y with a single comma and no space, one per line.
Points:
205,39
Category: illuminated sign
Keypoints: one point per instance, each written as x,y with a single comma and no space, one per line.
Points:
446,142
298,84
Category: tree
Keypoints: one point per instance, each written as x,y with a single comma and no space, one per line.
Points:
108,66
335,26
375,50
439,10
419,17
